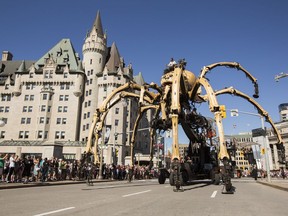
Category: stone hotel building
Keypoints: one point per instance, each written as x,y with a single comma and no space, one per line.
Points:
46,106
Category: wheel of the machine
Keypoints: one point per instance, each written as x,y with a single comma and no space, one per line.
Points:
217,179
185,177
171,179
161,178
228,186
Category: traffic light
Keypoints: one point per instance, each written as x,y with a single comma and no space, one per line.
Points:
116,152
222,110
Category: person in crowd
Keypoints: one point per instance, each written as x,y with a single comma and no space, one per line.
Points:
28,167
10,176
2,165
44,166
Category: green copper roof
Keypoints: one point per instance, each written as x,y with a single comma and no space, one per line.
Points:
62,53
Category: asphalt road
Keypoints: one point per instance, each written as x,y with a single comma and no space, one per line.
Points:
144,198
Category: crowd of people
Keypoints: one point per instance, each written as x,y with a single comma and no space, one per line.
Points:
16,169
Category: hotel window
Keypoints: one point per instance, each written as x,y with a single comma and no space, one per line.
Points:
24,109
6,98
1,108
40,134
91,61
28,120
45,97
91,81
30,109
65,75
62,135
59,108
41,120
89,103
49,109
26,97
66,97
62,87
7,109
90,92
116,122
117,111
92,72
88,114
64,120
58,121
2,134
22,120
57,135
47,120
46,135
61,97
46,74
31,75
43,108
65,109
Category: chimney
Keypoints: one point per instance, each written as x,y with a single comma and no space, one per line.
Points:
7,56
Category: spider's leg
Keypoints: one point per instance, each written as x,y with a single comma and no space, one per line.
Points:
260,110
235,65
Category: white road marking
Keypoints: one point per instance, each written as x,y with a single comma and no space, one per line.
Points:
127,195
214,194
56,211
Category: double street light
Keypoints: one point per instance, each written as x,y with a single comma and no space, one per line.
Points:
235,112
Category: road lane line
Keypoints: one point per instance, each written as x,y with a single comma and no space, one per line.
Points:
214,194
127,195
56,211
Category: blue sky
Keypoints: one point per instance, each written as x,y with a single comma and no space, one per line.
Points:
147,33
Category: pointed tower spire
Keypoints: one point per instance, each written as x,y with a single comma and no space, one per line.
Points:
114,61
98,24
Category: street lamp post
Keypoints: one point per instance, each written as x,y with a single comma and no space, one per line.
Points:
234,112
101,153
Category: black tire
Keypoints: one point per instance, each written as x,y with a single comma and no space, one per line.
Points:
217,179
185,178
171,179
161,178
228,187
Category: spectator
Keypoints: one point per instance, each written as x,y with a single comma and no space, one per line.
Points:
10,177
2,165
28,167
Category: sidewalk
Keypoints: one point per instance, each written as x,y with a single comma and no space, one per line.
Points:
281,184
5,185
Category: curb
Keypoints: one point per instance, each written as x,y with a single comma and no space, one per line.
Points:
43,184
273,185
